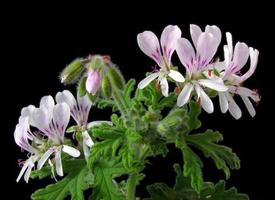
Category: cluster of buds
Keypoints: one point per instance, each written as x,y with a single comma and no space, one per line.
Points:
96,75
202,74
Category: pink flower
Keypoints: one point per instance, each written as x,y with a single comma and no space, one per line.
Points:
150,45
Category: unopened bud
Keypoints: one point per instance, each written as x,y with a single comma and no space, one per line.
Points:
116,78
72,72
106,87
93,81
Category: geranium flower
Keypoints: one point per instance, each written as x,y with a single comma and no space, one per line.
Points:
230,69
150,45
196,63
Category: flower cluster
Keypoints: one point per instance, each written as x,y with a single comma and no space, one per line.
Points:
202,73
41,131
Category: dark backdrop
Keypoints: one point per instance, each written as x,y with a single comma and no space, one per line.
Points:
40,40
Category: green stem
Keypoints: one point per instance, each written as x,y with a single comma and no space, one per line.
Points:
121,103
131,186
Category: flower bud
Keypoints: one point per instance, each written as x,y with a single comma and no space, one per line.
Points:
106,87
93,81
116,78
174,122
72,72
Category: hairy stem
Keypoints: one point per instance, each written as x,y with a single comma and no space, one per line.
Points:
131,186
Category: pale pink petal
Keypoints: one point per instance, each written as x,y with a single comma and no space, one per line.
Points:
71,151
206,49
185,53
67,97
61,118
168,40
41,120
241,53
215,31
142,84
223,102
164,87
195,33
229,45
217,85
245,92
45,157
27,112
249,106
28,172
23,169
185,94
176,76
204,99
149,44
93,82
233,108
254,54
47,104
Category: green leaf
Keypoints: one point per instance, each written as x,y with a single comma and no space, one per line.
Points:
42,173
182,190
105,186
79,178
218,192
128,90
193,114
105,103
223,156
192,165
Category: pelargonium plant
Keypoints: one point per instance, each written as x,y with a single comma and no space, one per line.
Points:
108,158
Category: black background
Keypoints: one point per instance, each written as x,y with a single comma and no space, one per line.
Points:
39,40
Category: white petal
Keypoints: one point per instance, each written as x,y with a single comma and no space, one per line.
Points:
58,163
27,112
205,101
215,31
142,84
67,97
86,151
164,87
168,41
47,104
243,91
85,103
98,123
71,151
185,53
149,44
176,76
254,54
184,95
223,102
87,139
217,85
230,45
22,171
28,172
195,33
227,58
234,109
41,119
241,53
249,106
206,49
45,157
61,117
